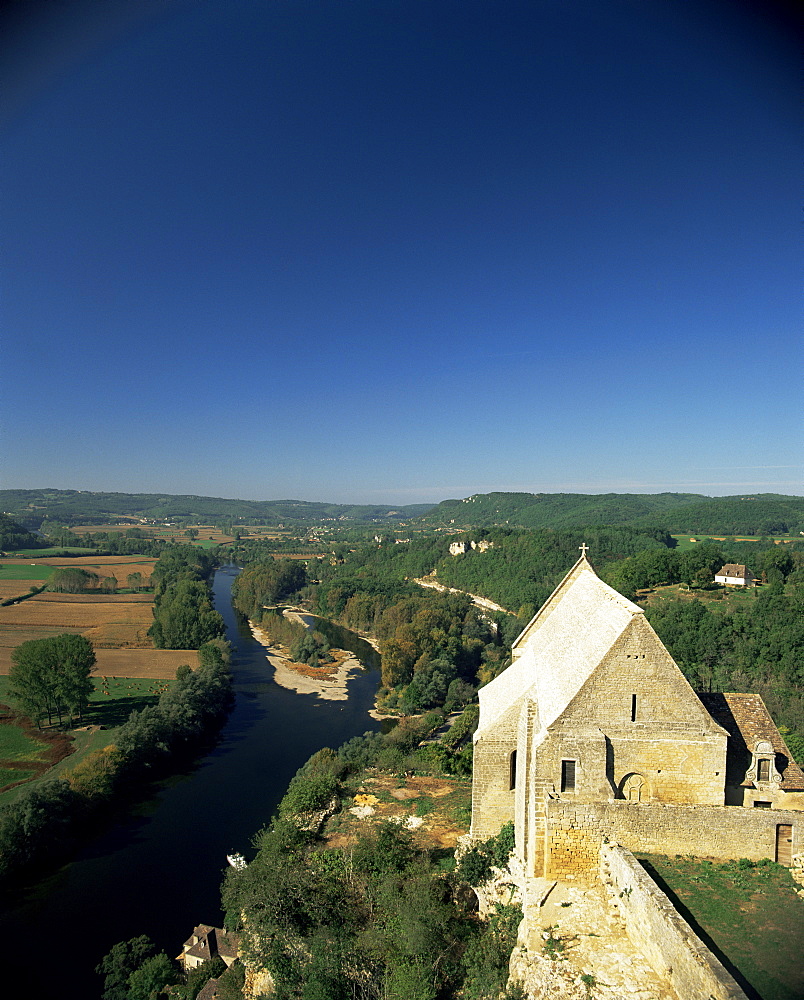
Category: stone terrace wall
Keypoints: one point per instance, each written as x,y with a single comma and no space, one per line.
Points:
664,938
719,832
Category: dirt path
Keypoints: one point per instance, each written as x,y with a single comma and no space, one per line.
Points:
481,602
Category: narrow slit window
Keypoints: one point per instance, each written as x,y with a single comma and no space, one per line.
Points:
567,775
633,707
512,770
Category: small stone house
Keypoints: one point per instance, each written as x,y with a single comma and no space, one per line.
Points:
734,575
593,728
205,943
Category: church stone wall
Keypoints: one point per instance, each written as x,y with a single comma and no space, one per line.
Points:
656,728
493,799
723,833
660,933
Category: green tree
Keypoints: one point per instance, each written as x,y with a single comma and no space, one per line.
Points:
51,676
198,978
148,981
72,580
184,617
118,964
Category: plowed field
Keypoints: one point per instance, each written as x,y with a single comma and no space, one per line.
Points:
15,588
159,664
105,622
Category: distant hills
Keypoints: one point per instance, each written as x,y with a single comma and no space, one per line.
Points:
31,507
754,515
758,514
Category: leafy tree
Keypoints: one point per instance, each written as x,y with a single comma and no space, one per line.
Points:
73,580
15,536
120,962
50,676
149,979
184,617
198,978
37,823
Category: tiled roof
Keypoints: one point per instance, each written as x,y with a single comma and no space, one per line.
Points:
732,569
227,943
208,991
561,646
747,721
206,942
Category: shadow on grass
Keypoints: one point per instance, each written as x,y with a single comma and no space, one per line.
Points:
116,711
683,911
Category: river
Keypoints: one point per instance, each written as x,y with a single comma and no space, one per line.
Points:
158,870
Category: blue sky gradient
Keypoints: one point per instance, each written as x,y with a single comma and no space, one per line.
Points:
401,251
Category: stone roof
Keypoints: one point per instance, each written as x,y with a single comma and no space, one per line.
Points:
732,569
748,722
206,942
560,647
209,990
199,932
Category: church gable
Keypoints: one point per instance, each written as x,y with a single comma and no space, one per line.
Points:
661,744
638,683
561,647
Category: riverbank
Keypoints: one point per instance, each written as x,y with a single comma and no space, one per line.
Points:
329,682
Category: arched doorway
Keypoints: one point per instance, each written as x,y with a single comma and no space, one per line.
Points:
633,787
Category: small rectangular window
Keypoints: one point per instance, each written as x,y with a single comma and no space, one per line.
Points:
512,770
762,805
567,775
763,770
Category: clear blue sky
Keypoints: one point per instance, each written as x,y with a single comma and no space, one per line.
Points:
401,250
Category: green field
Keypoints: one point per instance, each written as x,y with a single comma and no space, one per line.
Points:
56,550
16,746
686,541
110,706
16,572
747,913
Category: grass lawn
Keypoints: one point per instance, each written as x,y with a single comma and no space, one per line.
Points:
55,550
686,541
113,700
717,599
17,746
747,913
15,571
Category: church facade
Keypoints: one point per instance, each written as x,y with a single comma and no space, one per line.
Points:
593,731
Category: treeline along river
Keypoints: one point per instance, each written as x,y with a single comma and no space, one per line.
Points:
158,869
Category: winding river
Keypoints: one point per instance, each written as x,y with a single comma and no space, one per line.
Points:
158,870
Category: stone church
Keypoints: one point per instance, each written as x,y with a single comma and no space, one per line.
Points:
594,733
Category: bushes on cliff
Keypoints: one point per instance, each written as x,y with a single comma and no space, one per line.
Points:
314,785
475,866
